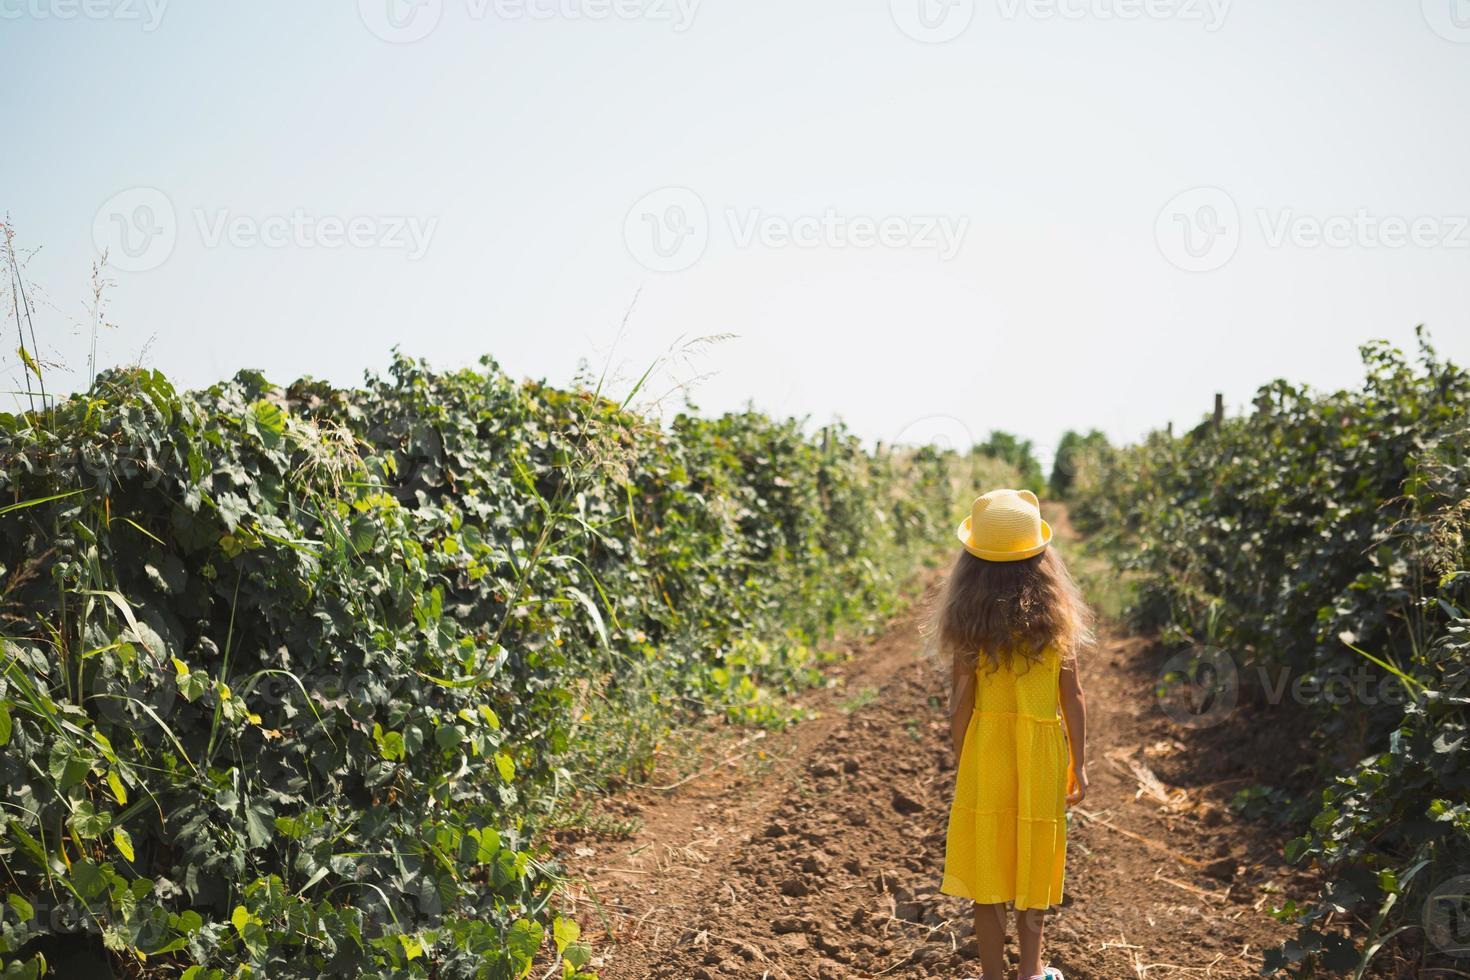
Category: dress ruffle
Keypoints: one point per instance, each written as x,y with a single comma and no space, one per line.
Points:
1007,838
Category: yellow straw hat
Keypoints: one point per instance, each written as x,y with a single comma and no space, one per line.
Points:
1005,525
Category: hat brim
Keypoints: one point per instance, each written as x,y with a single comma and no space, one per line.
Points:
964,535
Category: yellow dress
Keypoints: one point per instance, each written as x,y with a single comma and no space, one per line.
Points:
1007,840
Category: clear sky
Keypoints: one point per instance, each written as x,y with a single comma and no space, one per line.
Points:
922,216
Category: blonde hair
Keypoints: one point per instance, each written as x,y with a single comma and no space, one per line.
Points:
995,611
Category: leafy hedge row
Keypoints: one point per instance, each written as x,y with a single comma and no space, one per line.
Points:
1325,534
290,678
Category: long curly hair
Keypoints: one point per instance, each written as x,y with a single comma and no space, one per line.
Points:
996,611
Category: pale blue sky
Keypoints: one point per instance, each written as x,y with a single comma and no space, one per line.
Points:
1051,133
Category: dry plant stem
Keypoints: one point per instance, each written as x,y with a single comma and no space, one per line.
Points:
735,757
17,299
1146,841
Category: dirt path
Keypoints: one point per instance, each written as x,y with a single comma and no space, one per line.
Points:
817,853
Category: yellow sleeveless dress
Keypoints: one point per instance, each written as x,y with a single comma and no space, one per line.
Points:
1007,840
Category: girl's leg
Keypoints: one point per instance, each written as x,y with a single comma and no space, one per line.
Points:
1029,924
990,936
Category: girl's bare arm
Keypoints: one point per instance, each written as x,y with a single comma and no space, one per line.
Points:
961,700
1074,713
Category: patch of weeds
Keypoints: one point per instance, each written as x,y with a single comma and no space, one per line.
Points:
1110,590
591,817
1268,803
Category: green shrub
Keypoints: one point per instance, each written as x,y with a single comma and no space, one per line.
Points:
1019,454
1073,450
1324,535
292,677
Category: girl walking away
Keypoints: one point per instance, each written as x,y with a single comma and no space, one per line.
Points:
1014,622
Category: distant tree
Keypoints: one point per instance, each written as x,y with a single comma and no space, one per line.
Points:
1018,452
1069,451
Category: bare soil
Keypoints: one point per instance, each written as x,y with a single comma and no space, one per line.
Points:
817,852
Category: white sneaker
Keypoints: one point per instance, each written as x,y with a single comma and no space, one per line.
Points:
1050,973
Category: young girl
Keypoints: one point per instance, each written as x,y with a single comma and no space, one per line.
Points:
1013,621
